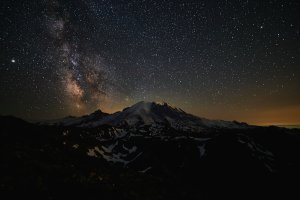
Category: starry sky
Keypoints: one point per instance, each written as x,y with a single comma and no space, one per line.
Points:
220,59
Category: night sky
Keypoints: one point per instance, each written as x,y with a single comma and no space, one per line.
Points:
231,60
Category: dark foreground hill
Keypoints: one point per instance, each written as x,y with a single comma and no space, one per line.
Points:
147,151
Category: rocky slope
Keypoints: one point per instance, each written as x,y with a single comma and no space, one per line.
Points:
147,151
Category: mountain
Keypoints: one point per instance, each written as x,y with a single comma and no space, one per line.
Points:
149,114
76,121
147,151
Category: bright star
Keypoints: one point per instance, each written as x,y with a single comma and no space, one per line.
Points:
13,60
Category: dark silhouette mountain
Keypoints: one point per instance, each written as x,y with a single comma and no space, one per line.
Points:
147,151
77,121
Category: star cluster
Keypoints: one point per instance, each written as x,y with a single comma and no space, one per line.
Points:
220,59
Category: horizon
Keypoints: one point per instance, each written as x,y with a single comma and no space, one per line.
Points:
213,59
285,125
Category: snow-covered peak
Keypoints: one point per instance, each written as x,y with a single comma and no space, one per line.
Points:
141,106
152,114
147,113
144,106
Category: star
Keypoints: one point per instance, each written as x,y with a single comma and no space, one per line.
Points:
75,58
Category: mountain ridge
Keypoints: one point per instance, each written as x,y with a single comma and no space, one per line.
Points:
174,163
149,113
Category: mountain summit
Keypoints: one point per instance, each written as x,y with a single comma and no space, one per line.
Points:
147,145
149,114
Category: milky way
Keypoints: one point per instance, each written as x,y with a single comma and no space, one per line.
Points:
85,79
235,60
